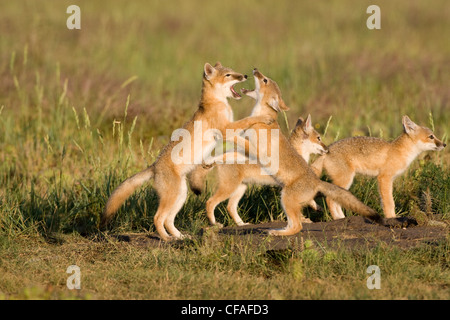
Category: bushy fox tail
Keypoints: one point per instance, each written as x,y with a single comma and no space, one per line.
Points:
348,200
122,192
317,166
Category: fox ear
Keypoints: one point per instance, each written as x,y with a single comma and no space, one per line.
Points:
408,124
307,127
209,71
218,65
283,105
299,122
277,104
274,104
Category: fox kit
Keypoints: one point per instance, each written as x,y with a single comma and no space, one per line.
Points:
305,140
214,112
299,183
375,157
233,178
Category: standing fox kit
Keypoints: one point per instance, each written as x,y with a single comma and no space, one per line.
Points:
375,157
213,112
299,183
233,178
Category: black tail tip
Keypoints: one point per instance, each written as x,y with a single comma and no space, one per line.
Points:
400,222
375,217
197,191
103,224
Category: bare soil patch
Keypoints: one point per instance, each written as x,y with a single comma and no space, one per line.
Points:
351,232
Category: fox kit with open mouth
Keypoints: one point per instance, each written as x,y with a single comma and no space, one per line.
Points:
214,113
375,157
299,183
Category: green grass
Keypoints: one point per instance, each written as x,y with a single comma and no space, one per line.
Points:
220,270
80,111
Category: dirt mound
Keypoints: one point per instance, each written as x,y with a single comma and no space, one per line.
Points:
351,232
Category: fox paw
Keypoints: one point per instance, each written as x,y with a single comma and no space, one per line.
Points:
268,120
216,225
207,165
306,220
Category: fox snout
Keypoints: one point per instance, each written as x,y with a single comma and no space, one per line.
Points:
440,145
240,77
324,149
257,74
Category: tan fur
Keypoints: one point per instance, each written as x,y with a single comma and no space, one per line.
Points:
299,183
214,112
197,179
233,178
375,157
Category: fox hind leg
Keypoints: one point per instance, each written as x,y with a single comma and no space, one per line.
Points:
169,222
292,206
172,192
335,209
223,192
343,181
233,204
165,204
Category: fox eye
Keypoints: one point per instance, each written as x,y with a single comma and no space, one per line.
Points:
318,138
265,80
227,75
431,137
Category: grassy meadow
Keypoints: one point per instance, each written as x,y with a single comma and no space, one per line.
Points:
82,110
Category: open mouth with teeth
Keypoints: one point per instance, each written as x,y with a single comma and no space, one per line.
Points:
249,93
245,91
234,92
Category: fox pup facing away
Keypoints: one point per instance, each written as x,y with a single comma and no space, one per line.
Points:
299,183
214,113
233,178
375,157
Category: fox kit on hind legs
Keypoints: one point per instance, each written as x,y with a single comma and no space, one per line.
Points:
169,176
